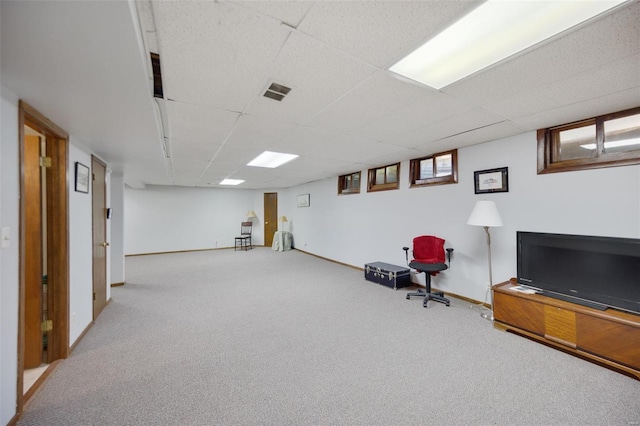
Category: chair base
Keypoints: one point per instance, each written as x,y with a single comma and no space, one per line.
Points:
244,243
437,296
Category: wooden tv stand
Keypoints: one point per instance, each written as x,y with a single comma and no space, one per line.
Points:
610,338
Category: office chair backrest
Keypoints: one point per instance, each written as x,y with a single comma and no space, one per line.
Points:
245,228
428,249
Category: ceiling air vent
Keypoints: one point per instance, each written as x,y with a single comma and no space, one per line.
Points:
277,92
157,76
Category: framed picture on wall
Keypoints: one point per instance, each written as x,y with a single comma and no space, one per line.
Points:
303,200
82,178
492,180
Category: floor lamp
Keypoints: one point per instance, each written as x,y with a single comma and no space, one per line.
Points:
485,214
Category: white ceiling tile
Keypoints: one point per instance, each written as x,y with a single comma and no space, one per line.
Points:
215,53
355,149
199,124
606,40
302,65
381,32
190,168
615,77
184,150
493,132
379,95
451,126
258,133
137,172
314,166
235,157
289,12
579,111
218,171
432,107
302,140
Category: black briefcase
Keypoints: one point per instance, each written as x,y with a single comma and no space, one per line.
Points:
389,275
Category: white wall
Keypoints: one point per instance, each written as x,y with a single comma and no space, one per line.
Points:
357,229
9,211
80,257
368,227
161,219
107,237
80,249
116,231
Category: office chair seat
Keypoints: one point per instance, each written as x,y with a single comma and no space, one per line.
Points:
428,269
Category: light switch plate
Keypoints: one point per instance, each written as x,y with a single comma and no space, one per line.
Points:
5,237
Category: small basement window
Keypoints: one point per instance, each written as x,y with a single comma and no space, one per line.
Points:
349,184
438,169
384,178
605,141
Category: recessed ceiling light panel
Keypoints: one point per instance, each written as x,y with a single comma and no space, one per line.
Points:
231,182
271,159
490,33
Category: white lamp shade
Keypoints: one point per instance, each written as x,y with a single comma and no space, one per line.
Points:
251,214
485,213
283,219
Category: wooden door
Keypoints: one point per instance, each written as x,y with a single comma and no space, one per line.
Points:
33,253
99,209
270,217
53,247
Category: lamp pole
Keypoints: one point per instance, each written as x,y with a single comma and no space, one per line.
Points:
489,315
485,214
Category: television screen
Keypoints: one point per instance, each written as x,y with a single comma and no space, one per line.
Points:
596,271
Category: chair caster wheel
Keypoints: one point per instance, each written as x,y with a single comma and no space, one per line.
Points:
408,297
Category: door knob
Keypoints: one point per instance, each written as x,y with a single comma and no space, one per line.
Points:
105,244
266,223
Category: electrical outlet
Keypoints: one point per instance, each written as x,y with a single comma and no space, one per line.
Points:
5,238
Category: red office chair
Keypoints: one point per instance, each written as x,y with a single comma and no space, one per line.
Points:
428,257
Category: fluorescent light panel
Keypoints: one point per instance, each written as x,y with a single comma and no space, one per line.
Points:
271,159
490,33
231,182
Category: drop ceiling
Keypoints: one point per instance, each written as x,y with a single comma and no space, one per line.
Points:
86,66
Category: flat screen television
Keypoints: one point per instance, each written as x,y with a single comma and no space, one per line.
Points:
601,272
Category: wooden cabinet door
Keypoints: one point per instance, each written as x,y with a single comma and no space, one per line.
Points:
519,312
609,339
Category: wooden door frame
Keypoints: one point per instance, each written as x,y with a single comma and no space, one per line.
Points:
57,239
